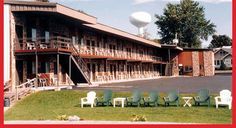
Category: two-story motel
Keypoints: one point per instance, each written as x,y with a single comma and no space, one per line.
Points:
50,41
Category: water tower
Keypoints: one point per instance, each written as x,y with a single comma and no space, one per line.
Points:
140,20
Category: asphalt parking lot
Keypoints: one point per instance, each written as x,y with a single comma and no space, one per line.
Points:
183,84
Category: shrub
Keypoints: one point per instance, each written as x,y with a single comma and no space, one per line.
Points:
62,117
138,118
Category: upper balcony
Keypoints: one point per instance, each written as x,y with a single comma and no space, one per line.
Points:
116,54
64,44
52,44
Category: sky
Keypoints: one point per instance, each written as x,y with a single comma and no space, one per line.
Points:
115,13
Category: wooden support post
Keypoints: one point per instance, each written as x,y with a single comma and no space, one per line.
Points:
58,59
36,69
161,69
69,67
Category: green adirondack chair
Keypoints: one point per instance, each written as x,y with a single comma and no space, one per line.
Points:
152,99
135,99
203,97
105,99
173,97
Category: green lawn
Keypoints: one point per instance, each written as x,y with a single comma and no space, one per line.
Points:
48,104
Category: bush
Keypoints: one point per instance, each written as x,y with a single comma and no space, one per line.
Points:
62,117
138,118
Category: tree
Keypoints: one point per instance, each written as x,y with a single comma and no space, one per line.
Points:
219,41
187,19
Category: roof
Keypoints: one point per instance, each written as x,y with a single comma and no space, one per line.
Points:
197,49
171,46
36,6
118,32
225,56
63,10
228,50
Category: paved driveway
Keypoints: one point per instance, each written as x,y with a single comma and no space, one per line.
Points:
184,84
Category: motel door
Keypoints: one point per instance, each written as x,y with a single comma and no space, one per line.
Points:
93,72
19,69
93,48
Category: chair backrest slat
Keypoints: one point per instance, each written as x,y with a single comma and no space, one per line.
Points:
225,95
203,94
91,96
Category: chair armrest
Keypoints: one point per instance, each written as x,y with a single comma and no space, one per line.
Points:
84,98
146,98
196,98
98,98
230,99
129,98
166,98
217,97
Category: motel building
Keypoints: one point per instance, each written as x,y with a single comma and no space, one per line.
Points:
49,44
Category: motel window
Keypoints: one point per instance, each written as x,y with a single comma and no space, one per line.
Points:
82,41
47,67
33,32
88,44
218,62
73,40
188,69
99,68
46,36
55,67
29,67
33,68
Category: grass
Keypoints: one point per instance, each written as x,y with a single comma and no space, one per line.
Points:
48,105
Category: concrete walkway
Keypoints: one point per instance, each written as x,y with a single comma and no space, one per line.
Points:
83,122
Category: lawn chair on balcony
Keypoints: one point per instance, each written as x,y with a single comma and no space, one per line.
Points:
135,99
225,98
173,97
152,99
30,46
203,97
89,100
105,99
42,82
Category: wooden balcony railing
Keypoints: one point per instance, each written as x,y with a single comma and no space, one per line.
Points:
97,51
66,43
42,43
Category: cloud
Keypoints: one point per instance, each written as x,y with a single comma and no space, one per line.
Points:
142,1
206,1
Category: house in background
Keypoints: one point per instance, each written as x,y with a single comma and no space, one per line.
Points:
223,55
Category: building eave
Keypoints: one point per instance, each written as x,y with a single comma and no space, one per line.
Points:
32,6
170,46
121,33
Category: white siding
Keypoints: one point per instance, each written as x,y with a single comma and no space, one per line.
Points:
6,42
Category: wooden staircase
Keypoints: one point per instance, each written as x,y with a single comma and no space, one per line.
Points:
80,64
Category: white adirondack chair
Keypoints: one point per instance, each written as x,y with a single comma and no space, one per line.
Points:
225,98
91,96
